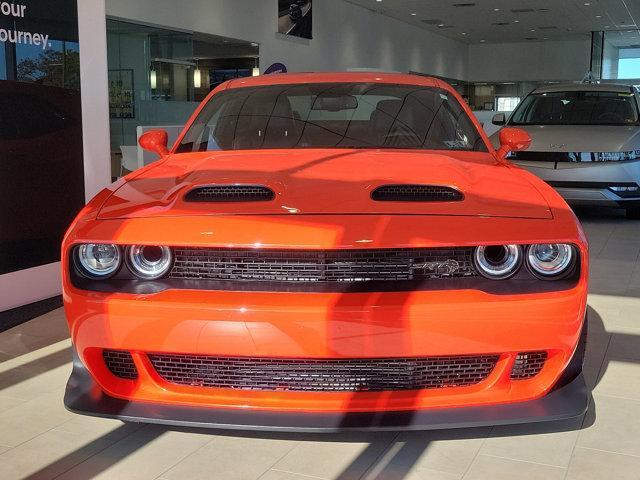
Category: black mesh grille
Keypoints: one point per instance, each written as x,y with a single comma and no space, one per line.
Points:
120,363
230,193
376,374
322,266
528,364
416,193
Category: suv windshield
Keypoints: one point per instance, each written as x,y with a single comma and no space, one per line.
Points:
332,115
577,108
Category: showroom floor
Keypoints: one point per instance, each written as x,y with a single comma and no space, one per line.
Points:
40,439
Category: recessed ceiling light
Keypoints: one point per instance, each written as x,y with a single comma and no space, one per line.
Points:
532,30
464,33
598,16
482,41
586,4
414,14
496,9
516,21
545,38
441,25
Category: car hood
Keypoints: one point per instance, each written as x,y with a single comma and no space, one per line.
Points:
580,138
315,182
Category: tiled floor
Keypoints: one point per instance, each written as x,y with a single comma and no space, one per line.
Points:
40,439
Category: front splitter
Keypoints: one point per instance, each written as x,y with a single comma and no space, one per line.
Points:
85,397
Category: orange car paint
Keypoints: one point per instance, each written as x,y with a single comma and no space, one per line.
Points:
323,202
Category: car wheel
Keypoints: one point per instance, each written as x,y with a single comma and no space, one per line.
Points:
633,213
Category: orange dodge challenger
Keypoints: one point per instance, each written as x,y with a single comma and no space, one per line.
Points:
328,251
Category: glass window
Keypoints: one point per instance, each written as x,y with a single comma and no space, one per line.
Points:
507,104
629,68
333,115
577,108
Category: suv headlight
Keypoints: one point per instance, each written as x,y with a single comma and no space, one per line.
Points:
97,260
616,156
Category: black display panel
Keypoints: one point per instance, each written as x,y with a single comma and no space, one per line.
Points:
41,163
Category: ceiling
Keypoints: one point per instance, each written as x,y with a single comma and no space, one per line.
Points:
499,21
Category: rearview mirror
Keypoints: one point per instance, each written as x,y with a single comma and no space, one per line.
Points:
335,103
513,140
155,141
499,119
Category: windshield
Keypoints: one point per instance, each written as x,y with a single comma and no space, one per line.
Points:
577,108
332,115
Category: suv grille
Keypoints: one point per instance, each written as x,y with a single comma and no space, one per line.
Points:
120,363
416,193
335,375
322,266
230,193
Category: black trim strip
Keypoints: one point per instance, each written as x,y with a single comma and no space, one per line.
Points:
604,185
521,284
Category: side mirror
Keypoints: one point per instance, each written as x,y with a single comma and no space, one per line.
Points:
155,141
512,140
499,119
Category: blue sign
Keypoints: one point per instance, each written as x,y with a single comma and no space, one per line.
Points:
276,68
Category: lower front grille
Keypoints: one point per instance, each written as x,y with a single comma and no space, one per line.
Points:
330,375
120,363
528,365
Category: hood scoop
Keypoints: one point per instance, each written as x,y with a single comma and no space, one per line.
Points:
230,193
416,193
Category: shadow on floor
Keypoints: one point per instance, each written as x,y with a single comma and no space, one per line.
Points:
28,370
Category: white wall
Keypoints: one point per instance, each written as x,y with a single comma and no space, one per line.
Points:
532,61
345,35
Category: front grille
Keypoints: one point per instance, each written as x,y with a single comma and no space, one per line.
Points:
120,363
230,193
416,193
322,266
330,375
528,364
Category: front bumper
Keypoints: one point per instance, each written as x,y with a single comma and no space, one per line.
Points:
566,400
586,183
598,197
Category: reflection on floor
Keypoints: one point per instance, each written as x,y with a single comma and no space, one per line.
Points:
40,439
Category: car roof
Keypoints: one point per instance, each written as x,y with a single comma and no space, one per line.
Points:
586,87
338,77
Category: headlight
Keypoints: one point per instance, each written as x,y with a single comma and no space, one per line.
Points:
149,261
616,156
498,261
97,260
550,260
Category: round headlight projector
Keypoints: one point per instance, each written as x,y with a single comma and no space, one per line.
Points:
149,261
98,260
550,260
498,261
